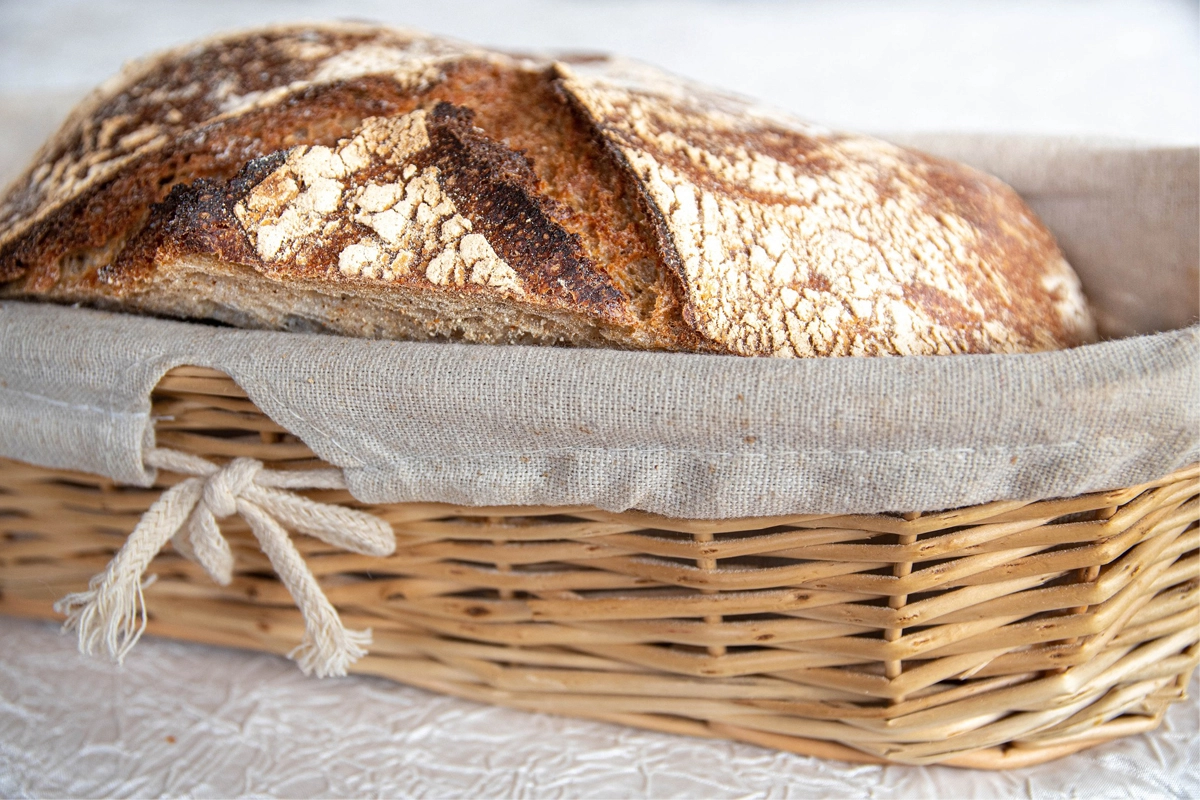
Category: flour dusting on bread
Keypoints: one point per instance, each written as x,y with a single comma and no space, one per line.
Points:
288,215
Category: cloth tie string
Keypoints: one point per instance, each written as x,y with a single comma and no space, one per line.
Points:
112,612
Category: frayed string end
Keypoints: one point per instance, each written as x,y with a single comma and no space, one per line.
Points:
329,653
109,617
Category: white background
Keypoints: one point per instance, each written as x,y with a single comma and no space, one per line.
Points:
190,720
1112,67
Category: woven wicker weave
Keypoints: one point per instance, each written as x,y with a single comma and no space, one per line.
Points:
995,636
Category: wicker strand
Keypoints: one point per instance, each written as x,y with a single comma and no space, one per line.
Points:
112,612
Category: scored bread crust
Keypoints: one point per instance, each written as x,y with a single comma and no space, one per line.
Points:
377,182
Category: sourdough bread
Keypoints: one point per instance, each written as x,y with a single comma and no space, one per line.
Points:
376,182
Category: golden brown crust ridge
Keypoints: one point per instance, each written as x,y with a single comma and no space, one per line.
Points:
586,203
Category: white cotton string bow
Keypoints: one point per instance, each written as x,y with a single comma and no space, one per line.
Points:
112,612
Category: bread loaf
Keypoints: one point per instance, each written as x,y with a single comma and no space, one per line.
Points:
375,182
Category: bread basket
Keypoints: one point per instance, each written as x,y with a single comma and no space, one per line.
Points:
995,621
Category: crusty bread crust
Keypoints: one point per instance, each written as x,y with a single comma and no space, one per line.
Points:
375,182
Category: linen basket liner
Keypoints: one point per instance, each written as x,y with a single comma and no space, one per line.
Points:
683,435
680,435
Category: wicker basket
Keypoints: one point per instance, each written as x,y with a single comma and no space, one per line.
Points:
995,636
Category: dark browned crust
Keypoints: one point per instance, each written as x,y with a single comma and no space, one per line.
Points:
496,189
116,209
195,218
587,179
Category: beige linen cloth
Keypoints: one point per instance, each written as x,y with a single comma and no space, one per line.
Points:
687,435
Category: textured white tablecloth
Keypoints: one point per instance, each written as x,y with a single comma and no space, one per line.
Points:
185,719
188,720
